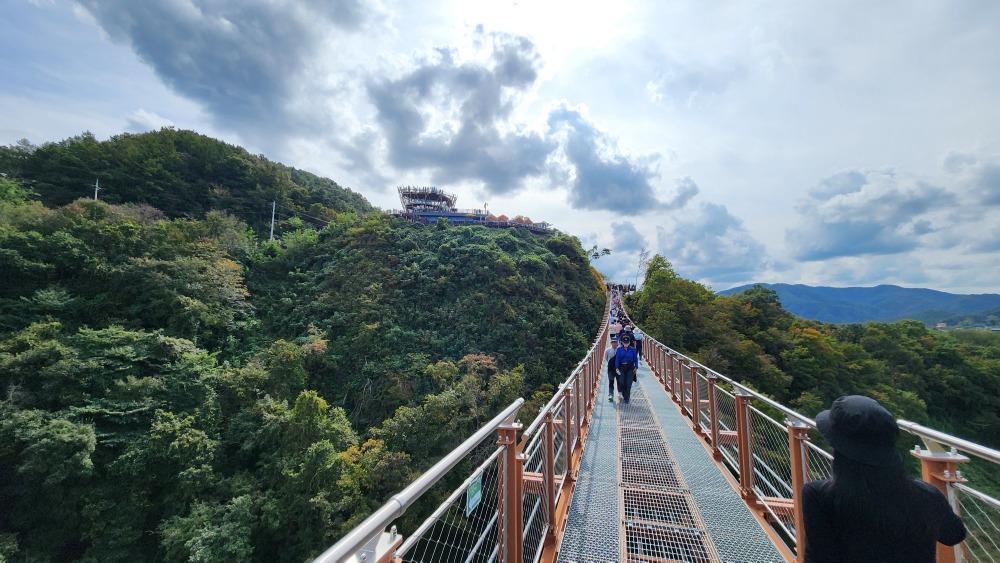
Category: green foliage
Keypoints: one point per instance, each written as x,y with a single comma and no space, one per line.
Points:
949,380
174,388
181,173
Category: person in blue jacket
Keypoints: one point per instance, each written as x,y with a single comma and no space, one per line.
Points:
871,510
626,362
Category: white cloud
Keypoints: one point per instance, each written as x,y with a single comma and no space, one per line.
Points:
141,120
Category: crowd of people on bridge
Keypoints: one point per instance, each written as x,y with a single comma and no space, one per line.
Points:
621,288
624,350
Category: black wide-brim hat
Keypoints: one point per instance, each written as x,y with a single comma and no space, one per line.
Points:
861,429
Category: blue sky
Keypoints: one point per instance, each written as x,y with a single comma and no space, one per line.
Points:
844,144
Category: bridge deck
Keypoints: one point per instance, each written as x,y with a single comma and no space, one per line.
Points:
648,490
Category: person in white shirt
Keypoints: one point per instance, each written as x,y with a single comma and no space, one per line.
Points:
637,334
609,360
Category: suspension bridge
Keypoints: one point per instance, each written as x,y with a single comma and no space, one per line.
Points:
695,468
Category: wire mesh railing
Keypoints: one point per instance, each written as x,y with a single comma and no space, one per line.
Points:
369,538
460,530
981,514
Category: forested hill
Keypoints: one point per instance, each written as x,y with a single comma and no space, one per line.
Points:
175,387
181,173
879,303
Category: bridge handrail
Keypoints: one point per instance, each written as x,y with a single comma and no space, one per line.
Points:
739,386
599,341
397,505
960,444
963,446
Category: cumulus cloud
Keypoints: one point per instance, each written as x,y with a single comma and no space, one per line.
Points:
979,176
712,244
866,212
626,237
242,60
602,177
454,118
141,121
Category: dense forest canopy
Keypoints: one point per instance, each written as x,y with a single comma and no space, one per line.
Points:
180,173
176,387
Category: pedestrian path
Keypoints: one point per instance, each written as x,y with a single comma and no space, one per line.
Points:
648,490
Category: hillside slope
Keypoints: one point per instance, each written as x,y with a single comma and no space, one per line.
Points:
175,388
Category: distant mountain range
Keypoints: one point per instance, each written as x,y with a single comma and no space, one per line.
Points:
884,303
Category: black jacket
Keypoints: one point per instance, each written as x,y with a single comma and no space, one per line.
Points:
830,540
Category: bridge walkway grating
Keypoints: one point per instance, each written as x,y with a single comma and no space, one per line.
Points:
672,493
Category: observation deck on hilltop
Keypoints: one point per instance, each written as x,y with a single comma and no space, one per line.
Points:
427,204
426,198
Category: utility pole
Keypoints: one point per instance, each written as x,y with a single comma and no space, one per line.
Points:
97,186
273,205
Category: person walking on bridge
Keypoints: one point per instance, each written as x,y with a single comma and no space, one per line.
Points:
637,334
871,510
626,362
609,359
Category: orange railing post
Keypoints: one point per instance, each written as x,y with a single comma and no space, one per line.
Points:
744,439
940,469
672,360
568,444
684,385
713,418
511,534
658,360
695,402
799,461
549,470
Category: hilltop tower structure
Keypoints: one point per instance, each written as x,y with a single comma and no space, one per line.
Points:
427,204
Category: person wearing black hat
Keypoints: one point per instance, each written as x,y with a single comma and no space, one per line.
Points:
626,362
870,510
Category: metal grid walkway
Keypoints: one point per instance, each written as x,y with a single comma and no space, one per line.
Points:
668,496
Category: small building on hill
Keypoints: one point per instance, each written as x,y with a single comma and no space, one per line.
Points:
427,204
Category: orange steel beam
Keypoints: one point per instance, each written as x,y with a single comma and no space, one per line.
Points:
549,468
713,417
798,434
695,404
744,446
940,470
511,535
